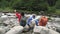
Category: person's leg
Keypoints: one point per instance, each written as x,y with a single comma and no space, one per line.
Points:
29,27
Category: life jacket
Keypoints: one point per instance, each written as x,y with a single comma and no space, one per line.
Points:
43,21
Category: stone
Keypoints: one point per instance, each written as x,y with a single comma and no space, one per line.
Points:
15,30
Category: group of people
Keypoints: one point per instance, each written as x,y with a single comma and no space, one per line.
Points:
31,21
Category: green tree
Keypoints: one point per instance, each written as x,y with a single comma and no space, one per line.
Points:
58,4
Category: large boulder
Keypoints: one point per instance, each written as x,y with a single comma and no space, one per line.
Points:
15,30
43,30
26,28
58,29
2,31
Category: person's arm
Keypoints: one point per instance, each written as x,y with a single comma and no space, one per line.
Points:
16,14
39,21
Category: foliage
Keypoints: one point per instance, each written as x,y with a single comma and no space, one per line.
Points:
48,6
51,10
58,4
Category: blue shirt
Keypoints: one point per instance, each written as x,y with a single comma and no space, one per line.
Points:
29,20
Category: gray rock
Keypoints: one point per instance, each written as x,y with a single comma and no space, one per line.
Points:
2,31
43,30
15,30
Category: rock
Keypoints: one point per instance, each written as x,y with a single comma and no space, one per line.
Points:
57,19
4,16
43,30
26,28
15,30
2,31
58,30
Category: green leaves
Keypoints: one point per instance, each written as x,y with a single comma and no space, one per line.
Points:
51,10
58,4
31,5
51,2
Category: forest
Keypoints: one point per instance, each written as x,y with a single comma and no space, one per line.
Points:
48,6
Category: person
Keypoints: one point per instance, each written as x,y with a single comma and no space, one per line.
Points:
31,22
23,20
43,21
18,15
29,19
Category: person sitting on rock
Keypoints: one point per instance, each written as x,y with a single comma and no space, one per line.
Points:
23,20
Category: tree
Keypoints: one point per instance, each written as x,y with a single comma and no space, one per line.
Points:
51,2
58,4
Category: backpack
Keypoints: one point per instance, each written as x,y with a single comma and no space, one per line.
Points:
43,21
23,21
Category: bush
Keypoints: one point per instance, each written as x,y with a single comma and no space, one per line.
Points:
58,4
51,10
6,9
